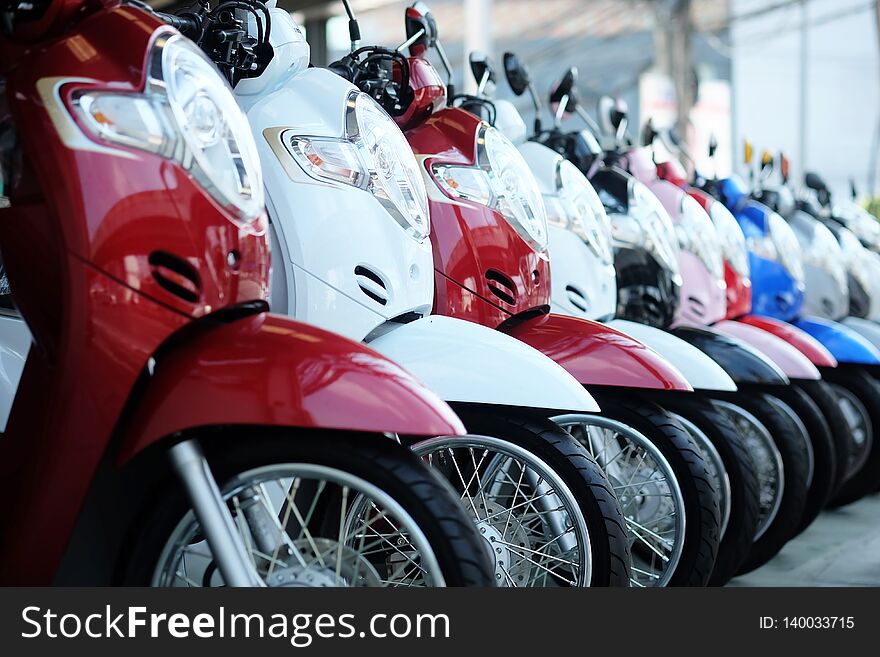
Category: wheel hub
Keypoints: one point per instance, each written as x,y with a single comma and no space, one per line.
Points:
507,542
317,566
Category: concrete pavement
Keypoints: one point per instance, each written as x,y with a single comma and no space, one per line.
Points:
841,548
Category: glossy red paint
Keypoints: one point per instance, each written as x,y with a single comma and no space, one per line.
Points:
739,288
272,371
805,343
79,243
474,246
674,172
429,93
597,355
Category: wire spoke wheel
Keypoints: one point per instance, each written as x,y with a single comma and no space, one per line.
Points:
768,462
861,429
648,491
532,526
306,525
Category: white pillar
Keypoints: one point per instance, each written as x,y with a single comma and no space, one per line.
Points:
477,36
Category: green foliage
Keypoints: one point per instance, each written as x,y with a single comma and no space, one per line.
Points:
872,205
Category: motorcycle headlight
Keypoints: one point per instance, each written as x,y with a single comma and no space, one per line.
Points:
589,220
697,235
373,156
824,252
733,242
502,181
779,244
186,113
648,226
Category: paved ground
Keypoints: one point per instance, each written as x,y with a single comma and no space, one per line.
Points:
841,548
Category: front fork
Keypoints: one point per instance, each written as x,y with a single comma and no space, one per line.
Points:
227,547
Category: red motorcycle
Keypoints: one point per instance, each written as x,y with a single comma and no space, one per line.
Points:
492,268
164,428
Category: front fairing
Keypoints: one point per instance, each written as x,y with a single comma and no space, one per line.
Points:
647,291
826,294
775,292
475,248
582,283
346,264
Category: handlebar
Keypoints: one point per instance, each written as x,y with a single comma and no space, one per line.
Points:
187,24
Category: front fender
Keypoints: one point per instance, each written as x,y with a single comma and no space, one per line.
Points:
466,362
702,372
598,355
845,344
787,357
803,341
743,363
865,327
272,371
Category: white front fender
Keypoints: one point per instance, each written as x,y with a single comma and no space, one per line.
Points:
864,327
465,362
702,372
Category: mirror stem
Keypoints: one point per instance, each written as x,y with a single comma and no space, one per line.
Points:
591,124
560,110
415,37
537,104
450,89
483,82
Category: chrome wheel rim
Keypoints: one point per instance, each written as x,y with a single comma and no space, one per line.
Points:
278,512
715,465
768,462
861,428
530,521
648,491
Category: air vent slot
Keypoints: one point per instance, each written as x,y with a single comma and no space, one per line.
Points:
176,275
501,286
697,306
577,298
371,284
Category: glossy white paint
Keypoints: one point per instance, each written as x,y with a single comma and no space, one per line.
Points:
291,54
864,327
326,230
15,343
581,285
466,362
702,372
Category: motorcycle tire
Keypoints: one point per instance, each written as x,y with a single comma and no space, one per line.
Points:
702,510
740,469
609,543
378,461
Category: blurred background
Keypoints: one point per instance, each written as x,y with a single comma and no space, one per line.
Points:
796,76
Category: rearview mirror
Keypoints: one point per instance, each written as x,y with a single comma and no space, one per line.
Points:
784,167
815,182
613,113
713,145
748,152
565,87
481,67
517,74
419,18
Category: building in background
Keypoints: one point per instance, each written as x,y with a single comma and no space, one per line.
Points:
824,115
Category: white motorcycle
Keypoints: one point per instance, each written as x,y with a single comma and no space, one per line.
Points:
349,227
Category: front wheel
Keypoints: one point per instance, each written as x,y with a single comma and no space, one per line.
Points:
784,472
331,510
702,526
738,473
862,393
599,506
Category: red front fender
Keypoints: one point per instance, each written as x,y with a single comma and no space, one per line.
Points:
803,341
272,371
597,355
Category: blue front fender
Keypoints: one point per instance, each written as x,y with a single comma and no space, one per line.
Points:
845,345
